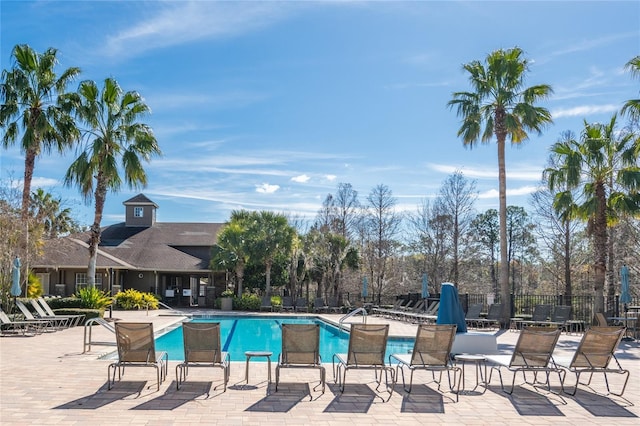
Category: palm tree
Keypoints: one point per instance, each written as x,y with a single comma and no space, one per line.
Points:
505,108
604,166
47,212
114,134
632,106
232,251
30,92
273,237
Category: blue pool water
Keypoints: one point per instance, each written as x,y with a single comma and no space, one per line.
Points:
238,335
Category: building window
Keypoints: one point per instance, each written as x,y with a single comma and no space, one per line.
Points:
138,212
81,280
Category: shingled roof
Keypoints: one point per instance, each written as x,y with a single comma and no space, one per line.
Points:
164,246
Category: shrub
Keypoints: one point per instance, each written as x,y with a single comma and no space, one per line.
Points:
64,302
276,301
248,302
88,313
134,299
93,298
35,286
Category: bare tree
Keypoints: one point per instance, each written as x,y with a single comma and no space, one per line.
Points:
520,241
557,234
458,196
382,230
485,234
431,229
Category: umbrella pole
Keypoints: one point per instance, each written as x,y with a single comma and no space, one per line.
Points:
626,337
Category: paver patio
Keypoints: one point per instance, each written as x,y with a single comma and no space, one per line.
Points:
46,379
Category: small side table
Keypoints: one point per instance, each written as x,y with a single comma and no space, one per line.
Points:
253,354
480,362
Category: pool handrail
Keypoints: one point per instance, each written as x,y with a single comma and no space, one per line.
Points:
352,313
88,326
171,310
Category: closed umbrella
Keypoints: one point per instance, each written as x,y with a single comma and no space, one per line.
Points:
450,309
625,294
365,288
425,286
15,278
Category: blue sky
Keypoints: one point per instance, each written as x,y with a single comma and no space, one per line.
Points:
269,105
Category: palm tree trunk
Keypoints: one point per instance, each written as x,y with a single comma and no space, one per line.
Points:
240,276
94,239
505,296
268,274
29,165
600,246
567,263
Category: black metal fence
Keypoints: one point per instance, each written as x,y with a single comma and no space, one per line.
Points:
582,307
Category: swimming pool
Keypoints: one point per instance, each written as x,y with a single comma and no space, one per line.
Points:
264,333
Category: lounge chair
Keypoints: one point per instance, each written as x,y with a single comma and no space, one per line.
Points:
47,324
593,355
600,320
301,349
408,306
202,348
430,314
401,309
6,324
63,321
319,305
473,315
334,306
493,317
533,353
266,304
137,348
414,314
348,306
287,304
431,352
541,314
74,319
389,310
302,305
559,317
367,346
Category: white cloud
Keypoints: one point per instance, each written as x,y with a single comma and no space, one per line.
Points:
330,178
266,188
514,171
301,178
180,22
590,44
44,182
584,110
524,190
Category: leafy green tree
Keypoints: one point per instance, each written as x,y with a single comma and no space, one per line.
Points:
29,95
500,102
272,237
632,106
48,213
114,134
603,166
232,250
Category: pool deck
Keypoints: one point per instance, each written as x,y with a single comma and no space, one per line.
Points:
48,380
